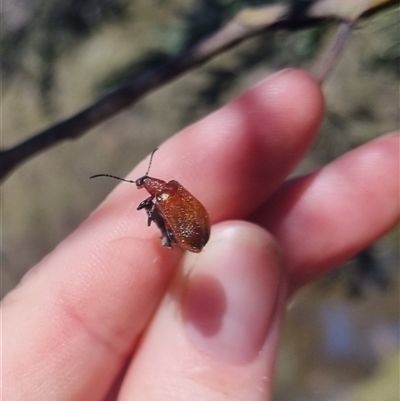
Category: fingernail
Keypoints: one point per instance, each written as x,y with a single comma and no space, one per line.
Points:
231,292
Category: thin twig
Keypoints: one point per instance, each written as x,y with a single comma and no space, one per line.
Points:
332,58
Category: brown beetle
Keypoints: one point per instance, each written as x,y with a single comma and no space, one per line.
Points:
181,218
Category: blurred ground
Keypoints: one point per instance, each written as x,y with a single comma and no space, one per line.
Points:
335,347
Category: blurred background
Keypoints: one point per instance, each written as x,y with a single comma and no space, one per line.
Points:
341,336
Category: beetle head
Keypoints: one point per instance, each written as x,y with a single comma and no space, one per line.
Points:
140,181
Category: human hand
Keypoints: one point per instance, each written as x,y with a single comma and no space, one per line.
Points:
110,314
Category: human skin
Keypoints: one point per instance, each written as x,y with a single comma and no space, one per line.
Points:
111,315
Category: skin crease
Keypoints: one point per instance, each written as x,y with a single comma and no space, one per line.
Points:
111,315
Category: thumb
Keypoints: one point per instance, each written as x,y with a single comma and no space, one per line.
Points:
215,334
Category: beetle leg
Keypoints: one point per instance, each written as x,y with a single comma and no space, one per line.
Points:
153,214
146,204
149,206
160,222
165,241
167,237
171,236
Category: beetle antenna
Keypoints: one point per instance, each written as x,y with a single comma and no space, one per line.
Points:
123,179
112,176
151,160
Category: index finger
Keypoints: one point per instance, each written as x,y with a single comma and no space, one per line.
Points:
74,321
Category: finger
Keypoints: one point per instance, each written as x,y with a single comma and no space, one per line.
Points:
76,318
237,156
215,335
323,219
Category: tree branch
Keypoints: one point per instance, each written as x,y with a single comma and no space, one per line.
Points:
332,56
247,23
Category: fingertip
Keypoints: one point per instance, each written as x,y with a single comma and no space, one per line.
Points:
293,97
